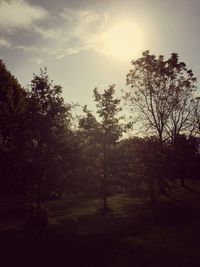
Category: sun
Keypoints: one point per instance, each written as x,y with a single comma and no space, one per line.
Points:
123,40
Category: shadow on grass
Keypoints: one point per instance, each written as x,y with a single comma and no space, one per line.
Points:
137,234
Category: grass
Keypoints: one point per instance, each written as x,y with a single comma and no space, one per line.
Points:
136,233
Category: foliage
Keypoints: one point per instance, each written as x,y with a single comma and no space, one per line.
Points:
108,109
142,167
12,113
184,156
88,169
163,95
43,156
49,132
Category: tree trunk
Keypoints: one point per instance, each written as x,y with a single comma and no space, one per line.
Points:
41,175
104,204
161,141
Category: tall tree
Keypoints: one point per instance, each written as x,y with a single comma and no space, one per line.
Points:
162,94
108,110
12,112
49,123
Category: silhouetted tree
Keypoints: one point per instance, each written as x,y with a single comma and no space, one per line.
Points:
162,95
142,167
185,158
108,110
49,124
89,135
12,113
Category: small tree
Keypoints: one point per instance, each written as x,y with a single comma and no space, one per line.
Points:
107,109
185,158
89,137
140,165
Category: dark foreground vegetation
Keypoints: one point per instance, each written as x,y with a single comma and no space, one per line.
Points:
79,189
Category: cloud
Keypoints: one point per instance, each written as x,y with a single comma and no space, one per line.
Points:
75,31
52,34
36,60
79,32
88,29
4,43
76,16
68,33
19,14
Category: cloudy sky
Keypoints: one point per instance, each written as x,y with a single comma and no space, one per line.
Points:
89,43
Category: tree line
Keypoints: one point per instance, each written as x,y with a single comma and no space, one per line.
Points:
43,156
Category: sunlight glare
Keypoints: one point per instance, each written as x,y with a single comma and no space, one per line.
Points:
122,40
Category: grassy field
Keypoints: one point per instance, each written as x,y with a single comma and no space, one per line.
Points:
136,233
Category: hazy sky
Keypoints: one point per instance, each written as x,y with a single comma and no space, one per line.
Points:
82,42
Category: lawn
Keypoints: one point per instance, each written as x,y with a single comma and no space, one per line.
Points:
136,233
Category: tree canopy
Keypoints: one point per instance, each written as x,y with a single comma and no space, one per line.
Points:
162,94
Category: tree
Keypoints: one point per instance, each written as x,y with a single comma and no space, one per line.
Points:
107,109
185,158
49,129
162,95
89,139
140,166
12,113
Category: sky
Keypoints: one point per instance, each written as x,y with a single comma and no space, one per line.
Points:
90,43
